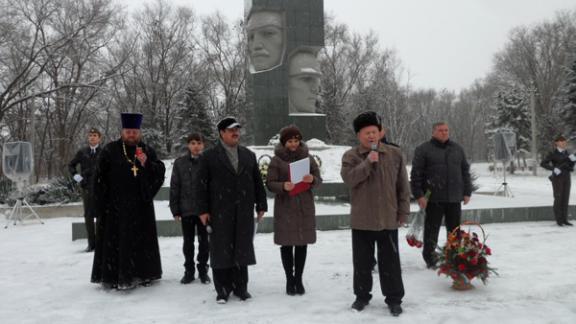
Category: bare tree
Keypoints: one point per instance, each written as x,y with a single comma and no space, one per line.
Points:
52,70
535,59
345,62
223,47
162,64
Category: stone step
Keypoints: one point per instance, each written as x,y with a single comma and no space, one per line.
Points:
169,228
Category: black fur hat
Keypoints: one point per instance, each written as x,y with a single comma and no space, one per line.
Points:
365,119
289,132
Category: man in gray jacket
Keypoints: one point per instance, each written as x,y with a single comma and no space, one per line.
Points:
380,200
183,206
440,166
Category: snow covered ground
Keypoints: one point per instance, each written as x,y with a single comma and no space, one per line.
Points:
44,278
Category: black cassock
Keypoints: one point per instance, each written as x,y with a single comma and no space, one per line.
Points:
127,250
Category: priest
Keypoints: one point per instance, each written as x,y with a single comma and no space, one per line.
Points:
128,176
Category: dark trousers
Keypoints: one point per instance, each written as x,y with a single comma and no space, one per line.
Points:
435,211
293,261
89,215
561,187
190,227
230,279
389,268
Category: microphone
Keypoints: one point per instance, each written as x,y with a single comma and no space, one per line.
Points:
373,149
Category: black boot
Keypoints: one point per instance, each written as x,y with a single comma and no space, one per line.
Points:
203,273
204,278
286,252
359,304
188,278
222,299
568,223
243,294
299,262
395,309
290,288
298,286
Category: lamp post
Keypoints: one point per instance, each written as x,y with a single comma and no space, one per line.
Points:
534,147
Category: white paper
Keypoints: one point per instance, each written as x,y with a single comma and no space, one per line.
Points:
299,169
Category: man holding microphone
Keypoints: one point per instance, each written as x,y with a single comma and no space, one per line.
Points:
380,202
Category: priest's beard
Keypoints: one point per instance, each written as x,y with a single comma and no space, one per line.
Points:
131,140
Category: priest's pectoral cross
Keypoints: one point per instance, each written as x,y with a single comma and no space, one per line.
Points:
134,170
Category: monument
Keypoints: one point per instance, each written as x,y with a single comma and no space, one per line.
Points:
284,39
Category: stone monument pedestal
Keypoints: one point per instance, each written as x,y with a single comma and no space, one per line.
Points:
311,125
284,38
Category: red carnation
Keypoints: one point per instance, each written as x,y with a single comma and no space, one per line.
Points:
488,251
461,267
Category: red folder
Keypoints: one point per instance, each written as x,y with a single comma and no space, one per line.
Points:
298,187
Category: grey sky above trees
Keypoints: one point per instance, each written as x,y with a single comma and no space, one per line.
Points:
443,43
68,65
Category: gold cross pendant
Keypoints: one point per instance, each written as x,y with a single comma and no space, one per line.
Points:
134,170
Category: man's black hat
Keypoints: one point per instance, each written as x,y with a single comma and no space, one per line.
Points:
228,122
365,119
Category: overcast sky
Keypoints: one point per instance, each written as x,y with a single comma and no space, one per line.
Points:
442,43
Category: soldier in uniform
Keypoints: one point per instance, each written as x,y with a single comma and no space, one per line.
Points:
86,157
561,163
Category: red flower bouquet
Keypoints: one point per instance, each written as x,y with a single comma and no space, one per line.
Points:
464,257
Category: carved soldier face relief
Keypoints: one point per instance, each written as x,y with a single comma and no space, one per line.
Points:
265,31
304,83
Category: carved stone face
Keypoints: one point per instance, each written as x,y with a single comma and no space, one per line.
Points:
265,31
304,83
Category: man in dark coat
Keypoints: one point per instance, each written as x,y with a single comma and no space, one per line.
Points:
128,176
440,166
230,187
561,163
87,157
184,209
